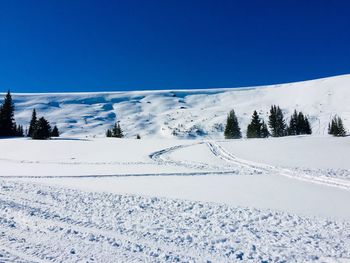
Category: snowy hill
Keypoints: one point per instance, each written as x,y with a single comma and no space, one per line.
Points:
186,113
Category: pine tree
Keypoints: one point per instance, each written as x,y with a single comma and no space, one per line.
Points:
232,130
281,124
55,132
301,124
32,124
117,131
273,120
264,133
19,131
341,128
254,128
276,122
108,133
7,122
293,128
42,129
307,127
138,136
332,126
250,131
336,127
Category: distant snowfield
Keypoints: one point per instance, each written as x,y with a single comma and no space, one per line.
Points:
81,198
186,113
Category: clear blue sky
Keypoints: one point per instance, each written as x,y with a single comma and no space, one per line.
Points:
49,46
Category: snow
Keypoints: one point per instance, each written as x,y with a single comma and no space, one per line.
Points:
186,113
263,192
297,151
58,224
171,200
82,198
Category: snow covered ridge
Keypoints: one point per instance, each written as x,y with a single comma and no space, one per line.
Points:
186,113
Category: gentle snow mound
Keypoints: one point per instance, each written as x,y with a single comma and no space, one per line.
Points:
186,113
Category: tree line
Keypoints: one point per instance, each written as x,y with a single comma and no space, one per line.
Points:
257,128
38,128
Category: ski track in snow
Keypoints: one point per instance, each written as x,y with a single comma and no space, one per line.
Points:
306,175
56,224
40,223
163,157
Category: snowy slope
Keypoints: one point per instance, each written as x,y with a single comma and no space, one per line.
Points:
157,200
186,113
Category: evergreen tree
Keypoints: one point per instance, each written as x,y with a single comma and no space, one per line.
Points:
7,122
307,127
299,124
332,127
32,124
276,122
264,133
273,120
293,128
42,129
117,131
55,132
341,128
108,133
281,124
19,131
138,136
232,130
336,127
254,128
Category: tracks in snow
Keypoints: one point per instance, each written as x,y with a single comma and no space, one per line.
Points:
163,157
51,224
223,154
241,166
234,165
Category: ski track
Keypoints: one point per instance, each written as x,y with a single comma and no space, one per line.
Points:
41,223
163,157
52,224
305,175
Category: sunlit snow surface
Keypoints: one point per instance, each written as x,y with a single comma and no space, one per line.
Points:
108,200
187,113
163,199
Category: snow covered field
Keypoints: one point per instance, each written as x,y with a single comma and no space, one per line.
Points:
126,200
83,198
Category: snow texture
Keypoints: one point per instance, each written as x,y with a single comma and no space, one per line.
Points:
81,198
186,113
57,224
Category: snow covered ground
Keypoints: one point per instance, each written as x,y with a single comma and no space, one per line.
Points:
126,200
43,223
82,198
186,113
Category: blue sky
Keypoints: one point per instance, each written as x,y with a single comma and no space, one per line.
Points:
52,46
